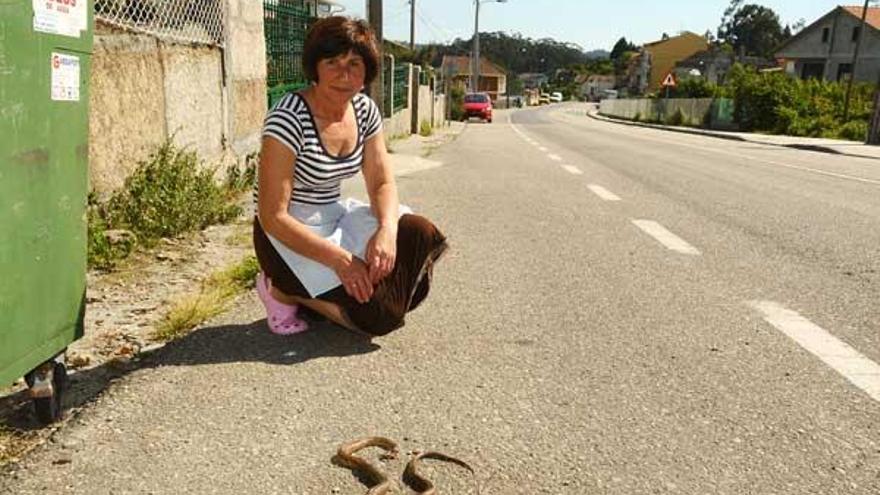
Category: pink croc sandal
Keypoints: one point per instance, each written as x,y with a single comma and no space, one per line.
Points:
281,317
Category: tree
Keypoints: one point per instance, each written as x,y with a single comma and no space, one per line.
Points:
751,28
622,46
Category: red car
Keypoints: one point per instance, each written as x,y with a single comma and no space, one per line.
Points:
478,105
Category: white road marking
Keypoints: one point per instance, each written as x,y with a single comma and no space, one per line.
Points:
572,170
542,149
858,369
555,158
753,159
665,237
603,193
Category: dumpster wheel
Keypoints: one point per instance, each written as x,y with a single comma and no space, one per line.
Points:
48,385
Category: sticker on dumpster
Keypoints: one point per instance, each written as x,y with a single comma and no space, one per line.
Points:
65,77
64,17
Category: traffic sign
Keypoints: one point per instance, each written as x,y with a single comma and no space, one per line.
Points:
669,81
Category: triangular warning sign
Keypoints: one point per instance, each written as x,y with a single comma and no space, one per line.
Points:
669,80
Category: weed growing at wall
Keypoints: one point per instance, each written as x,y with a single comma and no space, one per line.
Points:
169,194
425,128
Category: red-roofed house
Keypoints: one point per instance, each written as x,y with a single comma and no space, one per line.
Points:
493,79
825,48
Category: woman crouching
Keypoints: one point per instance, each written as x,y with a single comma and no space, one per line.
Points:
362,266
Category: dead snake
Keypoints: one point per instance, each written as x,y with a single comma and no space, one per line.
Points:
422,485
346,458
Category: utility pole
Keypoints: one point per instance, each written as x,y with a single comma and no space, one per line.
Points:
374,16
874,131
855,61
475,63
412,25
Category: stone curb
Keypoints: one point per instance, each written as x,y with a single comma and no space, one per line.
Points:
721,135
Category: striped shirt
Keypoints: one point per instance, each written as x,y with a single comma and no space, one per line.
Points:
318,175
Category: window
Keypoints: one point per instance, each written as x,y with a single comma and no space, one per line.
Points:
844,72
476,98
812,70
857,31
826,33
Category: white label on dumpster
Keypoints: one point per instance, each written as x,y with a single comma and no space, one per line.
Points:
65,77
64,17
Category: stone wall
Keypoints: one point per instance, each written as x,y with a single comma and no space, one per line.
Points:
247,60
694,111
144,91
126,107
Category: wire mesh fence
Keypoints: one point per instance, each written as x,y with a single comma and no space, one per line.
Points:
286,23
396,88
189,21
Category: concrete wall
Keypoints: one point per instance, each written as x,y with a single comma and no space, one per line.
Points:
398,124
439,117
194,98
127,107
426,101
247,61
694,110
144,91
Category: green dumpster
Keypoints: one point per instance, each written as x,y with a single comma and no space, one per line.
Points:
45,49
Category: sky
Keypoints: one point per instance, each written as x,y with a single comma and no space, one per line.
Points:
592,24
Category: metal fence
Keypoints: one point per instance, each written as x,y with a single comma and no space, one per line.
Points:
396,88
190,21
285,23
425,76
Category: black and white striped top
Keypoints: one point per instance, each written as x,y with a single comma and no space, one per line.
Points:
318,175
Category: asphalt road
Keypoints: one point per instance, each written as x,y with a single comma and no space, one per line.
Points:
714,330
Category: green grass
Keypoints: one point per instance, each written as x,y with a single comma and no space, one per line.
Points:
425,129
212,299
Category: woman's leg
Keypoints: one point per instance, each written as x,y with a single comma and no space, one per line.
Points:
418,244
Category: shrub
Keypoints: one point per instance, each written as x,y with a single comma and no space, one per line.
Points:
676,118
774,102
168,194
854,130
241,177
425,128
695,88
456,100
103,251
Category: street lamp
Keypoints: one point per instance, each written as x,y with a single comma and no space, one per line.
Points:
475,63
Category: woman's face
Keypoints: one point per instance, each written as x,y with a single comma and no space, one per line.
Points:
343,74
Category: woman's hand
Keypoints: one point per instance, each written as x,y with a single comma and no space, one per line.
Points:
381,253
355,277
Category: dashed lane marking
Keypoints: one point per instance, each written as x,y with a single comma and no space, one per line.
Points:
603,193
840,356
665,237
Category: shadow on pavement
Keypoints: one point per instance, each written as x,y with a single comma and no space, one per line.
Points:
210,345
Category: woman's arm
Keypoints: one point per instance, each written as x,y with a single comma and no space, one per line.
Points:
275,187
382,248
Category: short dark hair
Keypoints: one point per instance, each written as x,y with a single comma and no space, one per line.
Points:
338,35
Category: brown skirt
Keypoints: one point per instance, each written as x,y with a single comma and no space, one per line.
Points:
419,245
